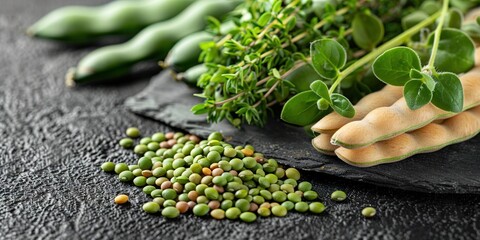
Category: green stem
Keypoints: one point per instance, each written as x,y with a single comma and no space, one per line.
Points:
398,40
436,41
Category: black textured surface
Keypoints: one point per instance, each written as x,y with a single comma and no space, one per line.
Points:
454,169
54,139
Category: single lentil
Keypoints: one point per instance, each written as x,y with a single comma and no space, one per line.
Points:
369,212
121,199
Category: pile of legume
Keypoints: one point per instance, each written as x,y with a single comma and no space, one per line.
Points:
210,177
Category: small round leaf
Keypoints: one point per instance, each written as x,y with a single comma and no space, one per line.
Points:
367,30
328,56
342,105
416,94
448,94
456,51
394,65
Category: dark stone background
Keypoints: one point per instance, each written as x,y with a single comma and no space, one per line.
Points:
53,140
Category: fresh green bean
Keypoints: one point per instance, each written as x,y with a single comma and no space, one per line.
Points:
79,24
151,43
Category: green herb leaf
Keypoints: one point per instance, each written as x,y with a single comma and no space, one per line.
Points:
367,30
456,51
199,109
413,18
303,77
426,78
416,94
342,105
448,94
394,65
328,56
454,19
321,89
302,109
264,19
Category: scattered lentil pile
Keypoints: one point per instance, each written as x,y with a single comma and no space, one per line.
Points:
210,177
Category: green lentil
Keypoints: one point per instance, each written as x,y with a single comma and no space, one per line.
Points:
126,142
159,172
369,212
280,172
248,217
242,204
215,136
169,203
267,167
201,209
292,173
316,207
133,132
214,156
140,181
242,193
126,176
291,181
301,207
249,162
148,189
145,163
279,196
137,172
272,178
151,207
304,186
274,187
264,212
202,199
156,193
294,197
258,199
233,213
266,194
236,164
145,140
245,175
226,204
150,154
218,214
288,205
169,194
158,137
159,200
338,196
140,149
108,166
263,181
133,167
220,180
170,212
218,149
120,167
153,146
310,195
279,211
211,193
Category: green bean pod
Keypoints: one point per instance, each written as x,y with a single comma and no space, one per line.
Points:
153,42
186,52
192,74
79,24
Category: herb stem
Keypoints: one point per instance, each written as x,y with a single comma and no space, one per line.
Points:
398,40
436,41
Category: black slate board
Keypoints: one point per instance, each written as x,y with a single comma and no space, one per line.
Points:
454,169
